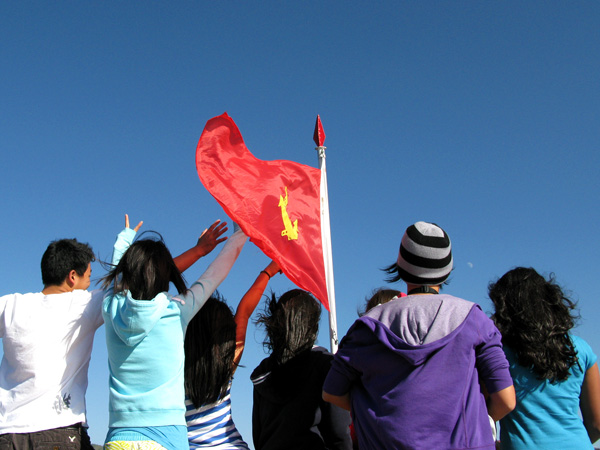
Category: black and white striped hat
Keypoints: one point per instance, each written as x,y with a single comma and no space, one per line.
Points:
425,256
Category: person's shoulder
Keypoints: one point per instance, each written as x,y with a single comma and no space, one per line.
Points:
18,294
9,299
80,297
457,300
260,371
21,297
578,341
321,352
583,348
321,357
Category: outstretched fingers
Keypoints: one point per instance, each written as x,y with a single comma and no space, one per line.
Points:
139,225
212,236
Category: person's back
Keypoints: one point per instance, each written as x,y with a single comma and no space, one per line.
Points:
288,411
47,341
410,369
420,383
214,344
547,414
555,373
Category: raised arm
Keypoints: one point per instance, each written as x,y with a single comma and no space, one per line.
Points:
589,402
124,240
214,275
247,306
207,242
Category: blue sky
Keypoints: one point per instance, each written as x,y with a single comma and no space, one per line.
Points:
480,116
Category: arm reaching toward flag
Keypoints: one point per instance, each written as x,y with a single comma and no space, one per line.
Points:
248,305
207,242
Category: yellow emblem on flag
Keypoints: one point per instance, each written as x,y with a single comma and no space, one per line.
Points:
290,229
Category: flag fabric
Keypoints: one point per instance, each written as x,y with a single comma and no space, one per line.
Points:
276,203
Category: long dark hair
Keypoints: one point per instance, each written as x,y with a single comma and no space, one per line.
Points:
146,269
534,316
291,324
209,352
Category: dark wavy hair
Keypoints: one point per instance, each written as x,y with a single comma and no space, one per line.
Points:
534,316
146,269
61,257
209,352
291,324
379,297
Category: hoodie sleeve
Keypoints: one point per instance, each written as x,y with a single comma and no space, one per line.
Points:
214,275
345,368
491,362
335,421
122,243
124,240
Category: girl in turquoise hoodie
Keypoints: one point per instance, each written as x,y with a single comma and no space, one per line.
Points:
145,330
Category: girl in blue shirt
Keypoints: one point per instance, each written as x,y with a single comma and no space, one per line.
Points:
555,374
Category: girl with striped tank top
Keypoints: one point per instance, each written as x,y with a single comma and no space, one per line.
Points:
214,344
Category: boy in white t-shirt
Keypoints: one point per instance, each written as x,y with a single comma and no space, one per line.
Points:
47,340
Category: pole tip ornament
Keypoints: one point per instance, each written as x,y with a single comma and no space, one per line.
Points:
319,136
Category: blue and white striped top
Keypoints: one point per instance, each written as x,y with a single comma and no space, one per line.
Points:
211,426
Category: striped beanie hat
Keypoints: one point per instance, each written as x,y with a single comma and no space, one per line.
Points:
425,256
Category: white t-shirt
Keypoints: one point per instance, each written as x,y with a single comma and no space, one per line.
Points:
47,342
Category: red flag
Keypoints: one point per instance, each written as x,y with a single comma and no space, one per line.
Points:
276,203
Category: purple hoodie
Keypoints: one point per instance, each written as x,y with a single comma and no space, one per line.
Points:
413,366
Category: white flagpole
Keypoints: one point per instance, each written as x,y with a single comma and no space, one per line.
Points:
326,239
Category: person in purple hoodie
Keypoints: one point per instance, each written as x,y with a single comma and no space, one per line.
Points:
411,370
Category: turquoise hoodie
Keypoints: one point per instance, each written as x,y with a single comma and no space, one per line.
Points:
145,343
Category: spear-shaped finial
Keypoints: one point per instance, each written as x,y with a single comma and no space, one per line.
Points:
319,136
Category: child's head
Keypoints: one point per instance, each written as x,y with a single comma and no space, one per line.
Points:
61,257
291,324
379,297
209,352
145,270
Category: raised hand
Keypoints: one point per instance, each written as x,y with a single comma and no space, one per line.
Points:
211,237
139,225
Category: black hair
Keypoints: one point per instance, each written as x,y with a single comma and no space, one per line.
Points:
378,297
291,324
209,352
146,269
534,316
395,274
61,257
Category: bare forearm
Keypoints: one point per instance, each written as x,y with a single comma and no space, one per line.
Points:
590,402
188,258
248,305
343,401
500,403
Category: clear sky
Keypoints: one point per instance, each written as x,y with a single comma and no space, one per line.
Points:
482,117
